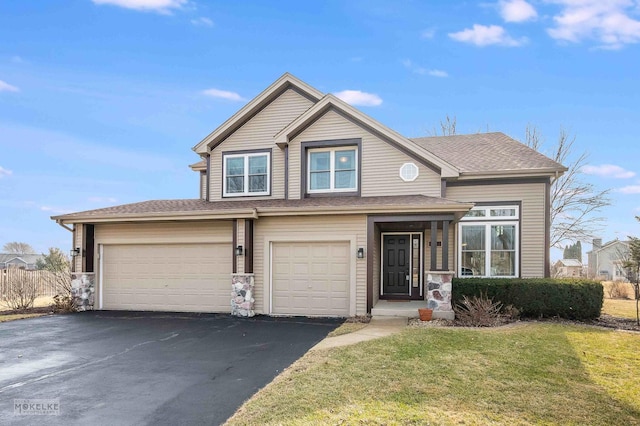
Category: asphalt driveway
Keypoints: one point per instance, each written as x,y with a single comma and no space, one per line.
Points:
146,368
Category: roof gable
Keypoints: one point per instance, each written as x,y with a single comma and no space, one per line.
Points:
330,101
285,82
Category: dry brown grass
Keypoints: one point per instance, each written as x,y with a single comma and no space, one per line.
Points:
40,302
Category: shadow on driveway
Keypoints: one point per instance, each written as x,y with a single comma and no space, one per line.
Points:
125,368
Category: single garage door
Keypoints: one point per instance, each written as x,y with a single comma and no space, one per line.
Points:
310,278
167,277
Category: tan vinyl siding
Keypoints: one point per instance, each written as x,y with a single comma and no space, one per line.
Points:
240,241
203,185
309,228
169,232
381,161
532,223
258,133
78,243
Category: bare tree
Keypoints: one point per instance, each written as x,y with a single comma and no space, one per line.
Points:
632,264
16,247
574,202
21,291
448,127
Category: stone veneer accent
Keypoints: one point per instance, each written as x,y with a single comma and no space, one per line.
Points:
83,289
242,295
439,293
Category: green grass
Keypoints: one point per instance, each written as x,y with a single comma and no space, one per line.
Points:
623,308
531,373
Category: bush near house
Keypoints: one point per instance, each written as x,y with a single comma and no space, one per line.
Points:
537,297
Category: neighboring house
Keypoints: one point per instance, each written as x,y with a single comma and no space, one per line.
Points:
327,212
606,261
21,261
568,268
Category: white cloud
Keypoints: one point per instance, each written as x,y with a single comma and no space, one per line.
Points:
356,97
202,22
608,170
416,69
5,172
428,33
54,210
6,87
608,22
631,189
516,11
160,6
102,200
223,94
17,60
438,73
481,35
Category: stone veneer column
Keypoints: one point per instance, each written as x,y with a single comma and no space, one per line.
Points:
242,295
83,288
439,293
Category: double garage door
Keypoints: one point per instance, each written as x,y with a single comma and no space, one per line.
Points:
167,277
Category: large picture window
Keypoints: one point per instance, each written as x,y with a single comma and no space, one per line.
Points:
488,242
246,174
332,169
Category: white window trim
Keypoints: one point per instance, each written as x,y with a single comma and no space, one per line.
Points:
246,174
488,221
332,169
412,165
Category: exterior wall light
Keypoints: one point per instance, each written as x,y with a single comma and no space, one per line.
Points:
75,252
239,251
360,253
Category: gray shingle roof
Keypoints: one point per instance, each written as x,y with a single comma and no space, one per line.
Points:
30,258
570,262
155,207
487,152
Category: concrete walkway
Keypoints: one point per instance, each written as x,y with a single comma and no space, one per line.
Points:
378,327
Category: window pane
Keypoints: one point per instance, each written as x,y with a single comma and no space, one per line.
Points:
258,183
346,180
503,263
258,165
346,160
503,237
473,238
475,213
503,212
235,166
319,180
235,184
319,161
473,263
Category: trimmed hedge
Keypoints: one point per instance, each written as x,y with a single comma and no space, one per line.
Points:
537,297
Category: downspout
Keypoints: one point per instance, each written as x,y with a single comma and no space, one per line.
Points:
255,213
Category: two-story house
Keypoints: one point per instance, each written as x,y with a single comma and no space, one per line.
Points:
324,211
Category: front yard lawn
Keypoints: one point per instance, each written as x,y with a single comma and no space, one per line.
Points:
624,308
528,373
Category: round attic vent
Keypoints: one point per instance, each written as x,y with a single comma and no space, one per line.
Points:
408,172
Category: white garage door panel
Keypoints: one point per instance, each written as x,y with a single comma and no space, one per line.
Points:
311,278
176,277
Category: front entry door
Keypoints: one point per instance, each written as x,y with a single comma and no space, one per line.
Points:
396,263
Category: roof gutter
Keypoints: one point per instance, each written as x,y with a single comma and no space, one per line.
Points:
59,222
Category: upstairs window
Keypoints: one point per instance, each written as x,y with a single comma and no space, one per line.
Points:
488,243
332,170
246,174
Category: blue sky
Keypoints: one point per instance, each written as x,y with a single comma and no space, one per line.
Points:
102,100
